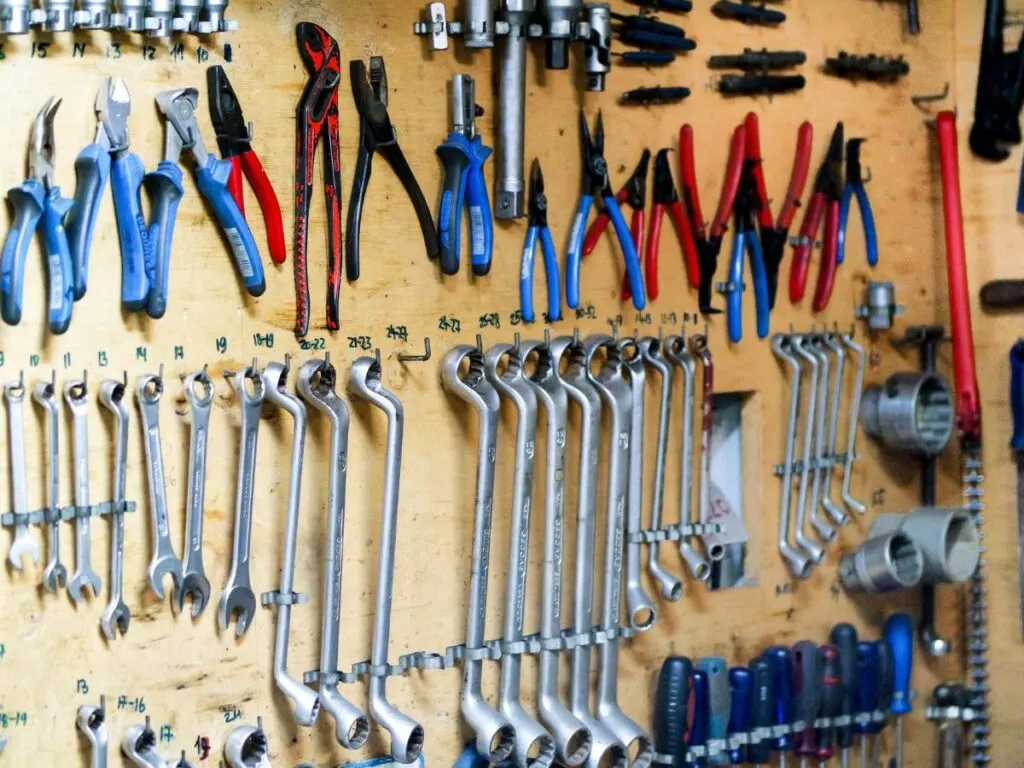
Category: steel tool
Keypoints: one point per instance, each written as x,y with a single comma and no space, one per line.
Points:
812,346
51,16
509,182
948,709
632,193
246,747
212,20
92,723
561,20
76,395
851,429
194,584
844,638
780,659
15,16
139,745
117,616
883,563
24,545
833,344
1017,444
813,550
899,636
538,228
597,53
129,15
186,15
807,698
159,18
44,393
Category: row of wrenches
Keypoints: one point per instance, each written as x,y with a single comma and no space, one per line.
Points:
154,18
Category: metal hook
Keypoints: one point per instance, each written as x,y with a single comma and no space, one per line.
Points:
480,342
403,358
576,335
921,99
516,341
547,337
376,357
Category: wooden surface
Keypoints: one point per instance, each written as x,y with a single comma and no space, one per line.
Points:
194,679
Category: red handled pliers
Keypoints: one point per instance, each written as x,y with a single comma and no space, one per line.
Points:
634,194
666,198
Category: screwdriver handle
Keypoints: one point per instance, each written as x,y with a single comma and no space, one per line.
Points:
1002,294
741,701
831,683
899,636
807,677
672,697
26,201
163,186
844,638
868,686
701,720
127,176
886,682
454,155
61,287
717,671
781,661
1017,394
761,711
92,169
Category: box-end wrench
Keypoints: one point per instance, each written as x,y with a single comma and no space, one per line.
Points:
44,393
149,390
116,615
305,700
23,545
462,373
822,527
194,583
406,734
92,723
246,747
316,384
534,745
238,601
714,543
678,353
854,419
76,395
812,548
836,512
139,745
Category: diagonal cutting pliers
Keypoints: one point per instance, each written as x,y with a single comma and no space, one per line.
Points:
855,188
377,134
667,198
317,119
595,184
537,206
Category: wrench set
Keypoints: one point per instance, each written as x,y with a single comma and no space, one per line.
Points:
154,18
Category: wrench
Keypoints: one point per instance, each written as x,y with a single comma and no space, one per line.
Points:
92,724
194,584
149,390
116,614
246,747
406,734
316,384
824,530
24,545
55,575
495,736
139,745
534,745
76,395
837,513
237,600
813,550
851,432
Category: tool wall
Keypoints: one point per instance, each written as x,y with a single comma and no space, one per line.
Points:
195,681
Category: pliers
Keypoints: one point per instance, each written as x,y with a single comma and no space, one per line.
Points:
596,184
234,137
666,197
37,202
828,188
855,187
538,228
463,155
376,133
634,194
708,241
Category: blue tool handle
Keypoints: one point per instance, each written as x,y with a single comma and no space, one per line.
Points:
164,189
60,276
1020,191
92,168
899,636
844,638
867,217
717,671
470,758
212,180
575,252
734,292
629,254
455,158
867,688
526,276
741,701
481,225
126,177
671,699
551,274
26,201
762,299
845,205
1017,394
782,681
762,710
701,721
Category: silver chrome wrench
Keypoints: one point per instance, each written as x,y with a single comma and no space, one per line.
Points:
76,395
194,583
836,512
808,545
23,545
149,390
92,723
821,526
117,614
44,393
854,420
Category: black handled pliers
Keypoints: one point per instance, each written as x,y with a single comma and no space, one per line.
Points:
376,133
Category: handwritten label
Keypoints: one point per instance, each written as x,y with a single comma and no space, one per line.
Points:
399,332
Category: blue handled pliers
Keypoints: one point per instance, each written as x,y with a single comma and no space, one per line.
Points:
746,241
855,187
538,228
37,202
596,184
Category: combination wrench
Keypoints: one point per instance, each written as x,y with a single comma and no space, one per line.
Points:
811,347
836,512
194,583
851,433
238,601
44,393
76,395
808,545
406,734
149,390
305,700
117,615
316,384
92,723
23,545
495,736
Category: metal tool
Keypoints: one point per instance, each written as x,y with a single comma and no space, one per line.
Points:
855,188
159,18
139,745
406,734
947,537
76,395
851,429
820,377
24,545
538,229
186,16
149,390
246,746
129,15
949,708
212,19
560,20
51,16
780,661
807,698
833,344
509,178
883,563
15,16
899,636
741,704
194,584
117,614
813,550
237,600
92,723
998,95
1017,444
911,413
316,384
44,393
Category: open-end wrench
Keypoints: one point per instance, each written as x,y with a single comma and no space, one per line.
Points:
92,723
194,584
836,512
246,747
305,700
24,545
495,736
534,745
822,527
116,615
316,383
678,353
76,395
812,548
148,391
44,393
406,734
238,600
854,419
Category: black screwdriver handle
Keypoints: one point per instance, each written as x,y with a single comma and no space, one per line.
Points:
807,695
671,700
831,700
762,711
844,638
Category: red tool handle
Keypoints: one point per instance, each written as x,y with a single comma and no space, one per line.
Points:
968,404
753,156
267,198
829,260
798,179
651,252
688,174
802,252
636,229
684,231
731,185
599,225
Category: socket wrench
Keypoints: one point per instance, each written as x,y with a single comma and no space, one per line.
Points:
15,16
510,193
810,347
478,25
560,20
24,545
53,16
194,584
212,19
129,15
92,14
44,393
186,16
854,420
117,615
76,395
810,547
92,723
836,512
316,383
406,734
883,563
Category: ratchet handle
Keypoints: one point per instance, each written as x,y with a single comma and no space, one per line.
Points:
92,168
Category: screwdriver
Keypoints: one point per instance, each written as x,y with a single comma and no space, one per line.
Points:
762,711
831,705
741,700
885,688
865,694
672,697
844,638
781,662
701,716
899,636
717,671
807,698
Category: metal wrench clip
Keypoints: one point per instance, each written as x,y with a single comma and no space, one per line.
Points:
116,614
44,393
92,723
76,395
23,545
194,584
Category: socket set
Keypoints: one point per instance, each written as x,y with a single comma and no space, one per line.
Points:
153,18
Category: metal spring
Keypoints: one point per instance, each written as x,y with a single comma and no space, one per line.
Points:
977,622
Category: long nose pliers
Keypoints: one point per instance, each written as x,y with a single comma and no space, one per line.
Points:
634,194
855,188
538,229
667,199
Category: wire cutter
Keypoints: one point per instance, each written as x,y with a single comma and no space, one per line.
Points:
708,241
376,133
597,184
855,187
463,155
317,118
775,232
234,137
666,197
538,227
828,188
37,202
634,194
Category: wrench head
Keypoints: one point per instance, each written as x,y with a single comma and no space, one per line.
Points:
115,617
55,576
23,546
82,578
162,566
239,603
197,587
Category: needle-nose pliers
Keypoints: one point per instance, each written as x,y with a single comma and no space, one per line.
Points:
855,188
666,198
538,229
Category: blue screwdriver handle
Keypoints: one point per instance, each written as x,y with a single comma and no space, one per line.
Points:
899,636
867,216
575,253
781,661
164,189
454,155
60,277
481,225
126,179
26,201
868,687
1017,394
717,671
701,723
92,169
671,699
741,701
762,710
629,254
551,275
212,180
